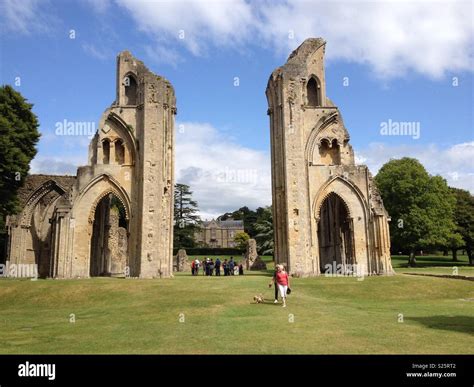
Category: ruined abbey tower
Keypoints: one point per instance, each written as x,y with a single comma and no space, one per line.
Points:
327,212
116,216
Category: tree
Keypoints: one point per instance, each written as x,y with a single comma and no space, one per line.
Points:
18,138
185,216
464,219
455,242
421,206
264,229
241,239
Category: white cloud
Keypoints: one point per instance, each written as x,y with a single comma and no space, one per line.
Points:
101,54
202,22
454,163
23,17
428,37
55,165
223,175
393,37
160,54
100,6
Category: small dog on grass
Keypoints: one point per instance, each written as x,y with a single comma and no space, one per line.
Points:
258,299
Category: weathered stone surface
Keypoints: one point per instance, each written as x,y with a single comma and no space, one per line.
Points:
252,260
181,261
116,246
251,253
326,210
63,226
258,264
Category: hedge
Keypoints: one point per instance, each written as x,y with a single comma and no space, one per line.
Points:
211,251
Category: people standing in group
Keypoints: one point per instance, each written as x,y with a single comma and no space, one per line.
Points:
225,265
209,267
282,280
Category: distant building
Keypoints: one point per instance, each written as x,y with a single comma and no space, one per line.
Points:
219,233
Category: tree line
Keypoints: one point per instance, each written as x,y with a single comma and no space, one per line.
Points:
426,214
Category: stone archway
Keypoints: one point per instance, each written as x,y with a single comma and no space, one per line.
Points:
109,239
335,235
354,215
85,210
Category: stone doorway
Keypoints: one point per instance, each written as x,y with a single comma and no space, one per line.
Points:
335,236
109,240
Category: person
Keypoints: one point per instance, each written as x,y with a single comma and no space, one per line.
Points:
193,266
211,267
231,265
241,269
196,266
276,287
218,266
204,266
282,280
226,267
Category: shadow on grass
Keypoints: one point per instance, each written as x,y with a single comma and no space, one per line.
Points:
266,302
463,324
429,261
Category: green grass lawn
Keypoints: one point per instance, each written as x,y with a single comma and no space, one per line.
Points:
217,315
434,265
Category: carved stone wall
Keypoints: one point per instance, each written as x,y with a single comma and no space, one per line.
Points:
132,157
252,260
311,161
181,261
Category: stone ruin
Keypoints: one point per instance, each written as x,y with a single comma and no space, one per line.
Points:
181,262
252,260
64,226
326,209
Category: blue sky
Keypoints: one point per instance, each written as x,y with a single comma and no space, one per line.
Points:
409,61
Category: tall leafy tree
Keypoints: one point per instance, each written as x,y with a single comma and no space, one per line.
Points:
264,229
421,206
185,216
241,239
464,219
18,138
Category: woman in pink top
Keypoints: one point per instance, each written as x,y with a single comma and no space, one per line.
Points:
282,280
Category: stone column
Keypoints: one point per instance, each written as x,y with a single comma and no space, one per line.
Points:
62,227
252,260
